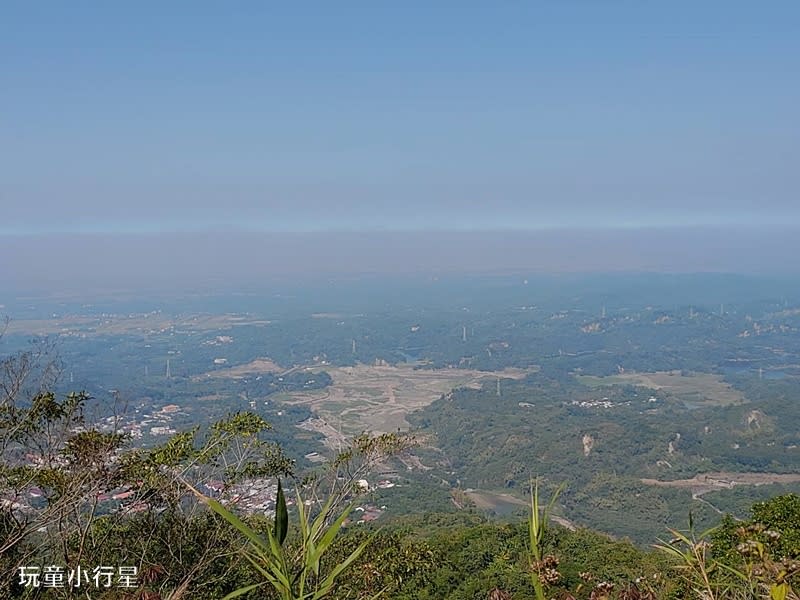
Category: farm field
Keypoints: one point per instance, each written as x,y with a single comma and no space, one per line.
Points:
694,388
146,323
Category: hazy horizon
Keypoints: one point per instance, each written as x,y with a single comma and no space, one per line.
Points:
230,259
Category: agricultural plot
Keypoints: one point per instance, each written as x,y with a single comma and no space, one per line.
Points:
147,323
694,388
254,367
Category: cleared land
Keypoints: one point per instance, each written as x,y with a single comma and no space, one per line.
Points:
254,367
696,388
502,503
702,483
377,399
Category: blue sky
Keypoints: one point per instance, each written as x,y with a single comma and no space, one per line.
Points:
195,116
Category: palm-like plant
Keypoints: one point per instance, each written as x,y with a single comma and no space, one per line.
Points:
292,576
758,575
699,569
543,566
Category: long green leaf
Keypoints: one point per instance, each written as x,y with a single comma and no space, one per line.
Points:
328,537
328,582
733,571
309,549
533,524
536,529
274,575
552,502
670,550
242,591
281,516
319,522
231,518
278,564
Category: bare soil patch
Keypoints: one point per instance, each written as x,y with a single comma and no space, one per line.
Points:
377,399
254,367
498,502
504,503
703,483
